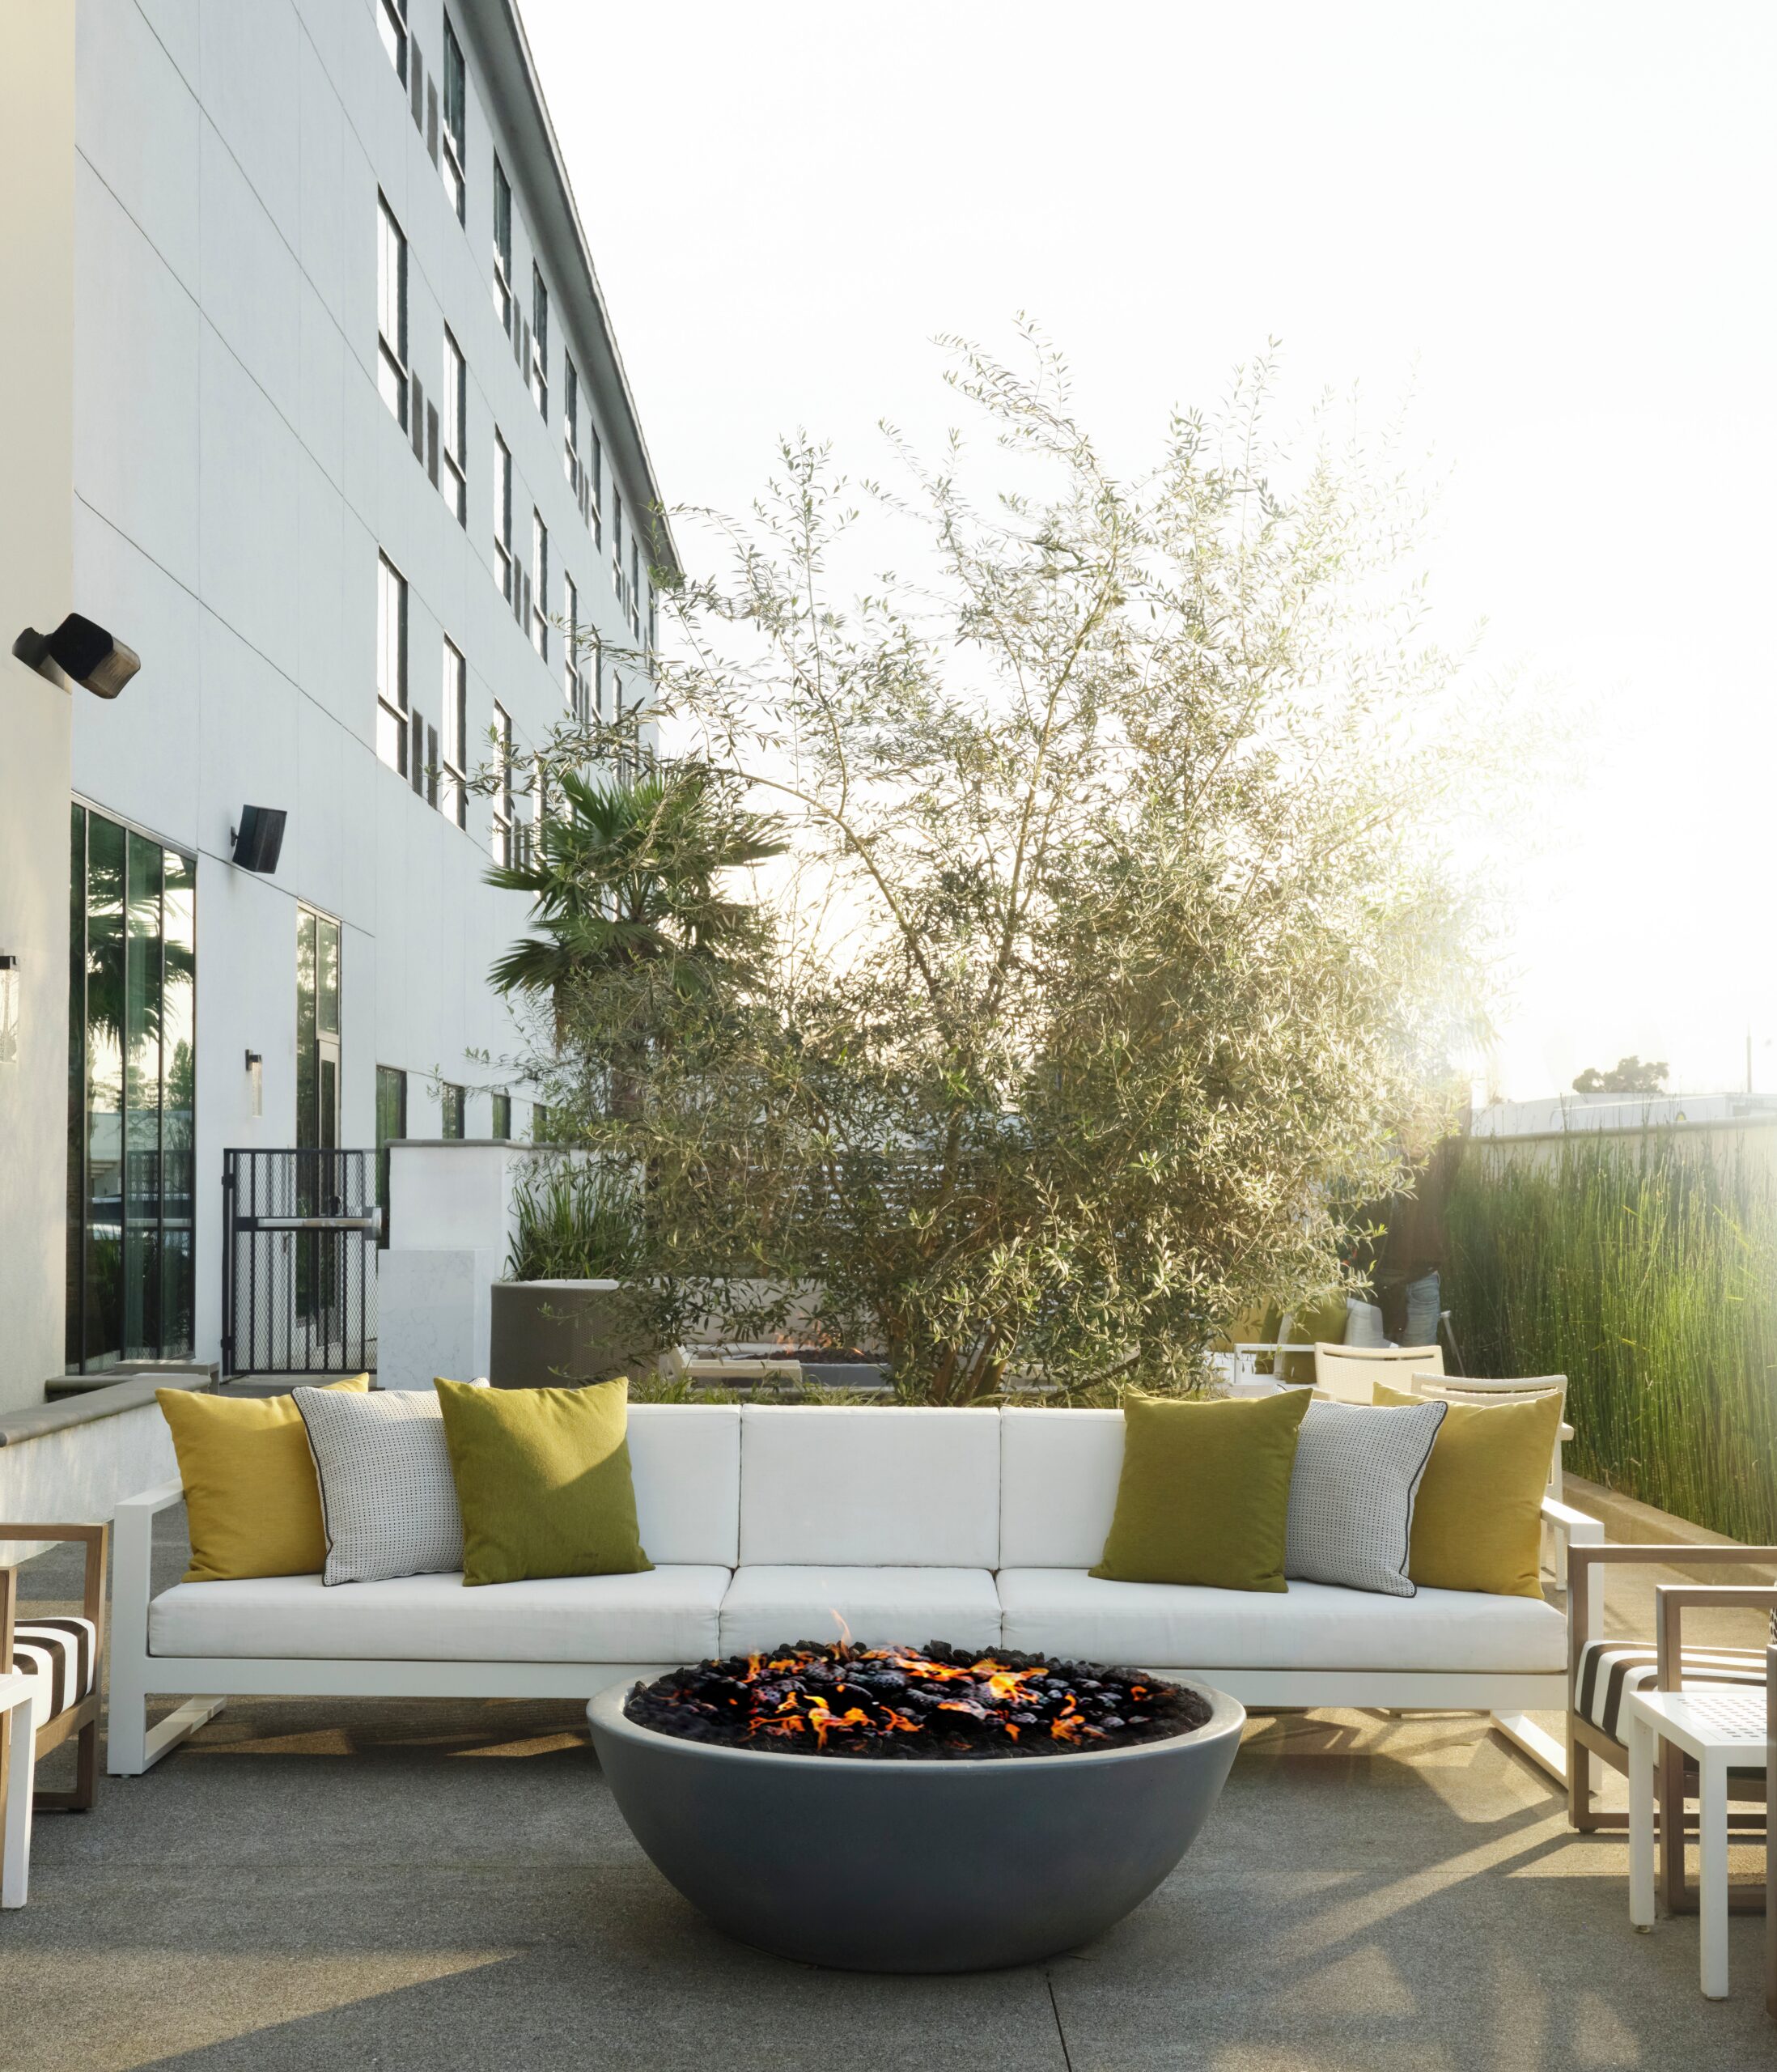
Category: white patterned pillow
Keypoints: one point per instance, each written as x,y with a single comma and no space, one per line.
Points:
388,1499
1357,1473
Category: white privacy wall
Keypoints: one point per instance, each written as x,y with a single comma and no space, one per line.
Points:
236,472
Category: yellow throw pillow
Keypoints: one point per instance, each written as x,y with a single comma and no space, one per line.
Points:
1477,1522
543,1480
251,1498
1204,1496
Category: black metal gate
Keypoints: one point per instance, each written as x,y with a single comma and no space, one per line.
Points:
298,1293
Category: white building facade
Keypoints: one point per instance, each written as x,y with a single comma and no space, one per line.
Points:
351,436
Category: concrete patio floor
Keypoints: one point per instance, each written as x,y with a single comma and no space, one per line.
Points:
315,1884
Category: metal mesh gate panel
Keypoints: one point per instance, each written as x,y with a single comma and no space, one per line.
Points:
299,1262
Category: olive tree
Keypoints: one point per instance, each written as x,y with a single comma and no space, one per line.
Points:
1121,947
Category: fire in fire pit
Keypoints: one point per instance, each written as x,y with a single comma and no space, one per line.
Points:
938,1703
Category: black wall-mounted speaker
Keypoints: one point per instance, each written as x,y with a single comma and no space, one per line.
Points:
260,838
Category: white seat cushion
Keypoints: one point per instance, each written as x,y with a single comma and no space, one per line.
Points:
684,1459
61,1657
765,1606
888,1488
1311,1626
668,1614
1058,1475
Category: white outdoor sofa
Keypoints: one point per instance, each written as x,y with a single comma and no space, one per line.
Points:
770,1524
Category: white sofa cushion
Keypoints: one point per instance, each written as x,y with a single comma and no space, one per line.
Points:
1311,1626
684,1459
880,1487
1058,1475
667,1615
767,1607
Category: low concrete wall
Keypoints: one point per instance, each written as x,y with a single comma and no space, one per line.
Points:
73,1462
1629,1523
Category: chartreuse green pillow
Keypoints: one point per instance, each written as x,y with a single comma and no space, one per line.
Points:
1477,1519
543,1481
1205,1493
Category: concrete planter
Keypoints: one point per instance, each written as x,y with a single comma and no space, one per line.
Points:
563,1334
914,1866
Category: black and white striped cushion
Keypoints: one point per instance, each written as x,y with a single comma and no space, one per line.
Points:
1610,1670
62,1655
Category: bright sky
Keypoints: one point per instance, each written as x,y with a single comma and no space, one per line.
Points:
1557,216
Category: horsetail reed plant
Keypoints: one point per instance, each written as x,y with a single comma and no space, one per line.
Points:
1645,1270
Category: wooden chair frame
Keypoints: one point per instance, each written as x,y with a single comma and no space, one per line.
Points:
82,1718
1585,1622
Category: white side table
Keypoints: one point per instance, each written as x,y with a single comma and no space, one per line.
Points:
18,1697
1720,1730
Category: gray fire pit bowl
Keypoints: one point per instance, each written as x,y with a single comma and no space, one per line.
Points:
915,1867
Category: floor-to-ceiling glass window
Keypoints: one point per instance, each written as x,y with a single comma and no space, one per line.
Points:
131,1086
317,1103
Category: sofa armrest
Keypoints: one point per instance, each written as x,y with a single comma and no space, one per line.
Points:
133,1569
1673,1600
96,1538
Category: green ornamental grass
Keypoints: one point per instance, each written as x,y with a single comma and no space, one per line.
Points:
1646,1270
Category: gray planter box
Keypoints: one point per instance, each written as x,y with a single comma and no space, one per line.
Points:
565,1334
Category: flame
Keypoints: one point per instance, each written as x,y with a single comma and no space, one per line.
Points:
845,1635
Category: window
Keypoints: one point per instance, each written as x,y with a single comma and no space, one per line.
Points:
132,1075
635,589
502,248
595,502
501,842
422,761
616,544
540,344
392,24
539,1123
455,155
450,1112
391,1126
453,789
502,1118
654,623
503,568
573,685
570,424
390,664
391,313
539,585
456,416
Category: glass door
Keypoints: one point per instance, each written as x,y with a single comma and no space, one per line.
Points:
317,1108
131,1095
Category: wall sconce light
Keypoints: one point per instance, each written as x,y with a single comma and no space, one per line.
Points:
9,1010
84,651
259,840
256,1085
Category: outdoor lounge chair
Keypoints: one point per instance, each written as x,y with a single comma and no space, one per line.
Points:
1349,1374
1602,1671
62,1654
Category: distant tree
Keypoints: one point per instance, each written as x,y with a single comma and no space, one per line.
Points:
1626,1076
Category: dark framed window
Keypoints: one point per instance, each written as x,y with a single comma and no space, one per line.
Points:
570,424
573,682
454,156
453,412
539,585
594,496
504,569
391,26
502,1127
450,1113
501,838
539,1123
502,248
132,1081
453,789
391,313
540,343
391,1126
390,664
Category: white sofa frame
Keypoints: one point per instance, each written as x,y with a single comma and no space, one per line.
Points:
206,1683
